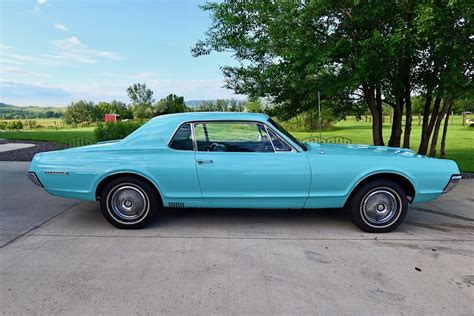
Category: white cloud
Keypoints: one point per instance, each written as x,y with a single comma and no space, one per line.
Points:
146,75
5,47
72,49
10,61
66,51
41,93
22,57
18,71
42,2
31,93
61,27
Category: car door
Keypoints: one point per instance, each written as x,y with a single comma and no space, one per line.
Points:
238,166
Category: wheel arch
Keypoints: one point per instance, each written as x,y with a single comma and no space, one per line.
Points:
103,182
406,184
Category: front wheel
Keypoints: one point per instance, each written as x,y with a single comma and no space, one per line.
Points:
379,206
128,202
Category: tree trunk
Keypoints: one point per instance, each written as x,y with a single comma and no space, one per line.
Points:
428,126
374,101
396,135
434,140
445,132
408,119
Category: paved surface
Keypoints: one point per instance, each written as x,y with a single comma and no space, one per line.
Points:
9,147
23,205
236,262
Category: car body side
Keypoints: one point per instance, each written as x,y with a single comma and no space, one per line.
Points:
317,178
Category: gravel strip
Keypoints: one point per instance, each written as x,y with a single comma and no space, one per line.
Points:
27,154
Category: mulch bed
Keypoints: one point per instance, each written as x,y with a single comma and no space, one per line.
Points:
26,154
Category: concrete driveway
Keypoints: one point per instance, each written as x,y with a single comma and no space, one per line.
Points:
61,257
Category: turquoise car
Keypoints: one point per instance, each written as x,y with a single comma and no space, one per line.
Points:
240,160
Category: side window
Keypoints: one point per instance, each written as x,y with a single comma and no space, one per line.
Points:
278,143
182,139
232,137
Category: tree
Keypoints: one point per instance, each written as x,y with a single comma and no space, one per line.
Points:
206,106
115,107
170,104
236,106
81,112
379,52
142,100
445,72
288,51
254,105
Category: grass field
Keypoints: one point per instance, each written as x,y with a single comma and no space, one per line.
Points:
50,135
459,144
44,123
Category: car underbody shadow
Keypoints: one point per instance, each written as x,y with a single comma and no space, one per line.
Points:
170,216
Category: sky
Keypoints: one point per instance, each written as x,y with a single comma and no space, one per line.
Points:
54,52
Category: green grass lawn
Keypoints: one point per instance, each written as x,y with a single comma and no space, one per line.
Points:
459,144
50,135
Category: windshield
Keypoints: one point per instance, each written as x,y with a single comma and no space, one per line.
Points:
287,134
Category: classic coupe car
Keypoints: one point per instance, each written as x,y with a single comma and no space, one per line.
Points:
240,160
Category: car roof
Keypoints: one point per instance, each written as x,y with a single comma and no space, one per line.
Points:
197,116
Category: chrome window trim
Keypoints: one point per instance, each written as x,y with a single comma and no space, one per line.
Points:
238,122
268,135
281,139
174,134
193,122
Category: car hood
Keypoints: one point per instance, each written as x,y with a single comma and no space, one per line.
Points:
359,150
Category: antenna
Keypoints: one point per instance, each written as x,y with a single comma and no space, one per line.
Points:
320,126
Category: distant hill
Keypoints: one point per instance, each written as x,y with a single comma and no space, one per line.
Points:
4,106
8,111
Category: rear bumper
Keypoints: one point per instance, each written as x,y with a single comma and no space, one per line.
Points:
452,182
32,176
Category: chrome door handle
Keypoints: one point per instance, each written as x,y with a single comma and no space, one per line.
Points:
201,162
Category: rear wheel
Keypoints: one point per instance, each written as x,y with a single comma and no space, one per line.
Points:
379,206
128,202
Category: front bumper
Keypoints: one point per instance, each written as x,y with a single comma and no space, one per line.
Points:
452,182
32,176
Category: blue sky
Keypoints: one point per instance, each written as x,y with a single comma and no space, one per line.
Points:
54,52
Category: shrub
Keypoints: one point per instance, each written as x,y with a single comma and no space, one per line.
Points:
31,124
3,125
309,121
117,130
15,125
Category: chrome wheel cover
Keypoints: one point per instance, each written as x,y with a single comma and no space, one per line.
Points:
381,207
128,203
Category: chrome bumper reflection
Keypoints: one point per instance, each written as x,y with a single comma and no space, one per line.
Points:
32,176
452,183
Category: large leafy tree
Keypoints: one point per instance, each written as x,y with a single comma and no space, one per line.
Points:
115,107
170,104
445,71
81,112
142,100
378,52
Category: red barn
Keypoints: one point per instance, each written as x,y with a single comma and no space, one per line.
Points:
111,117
